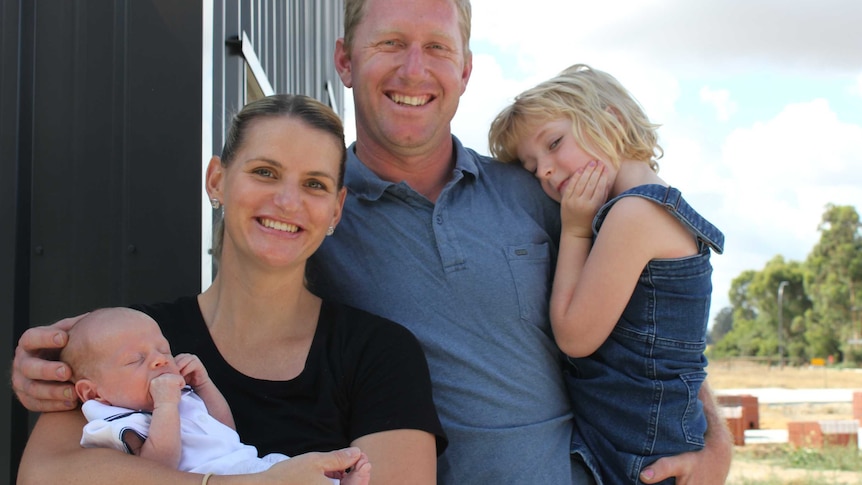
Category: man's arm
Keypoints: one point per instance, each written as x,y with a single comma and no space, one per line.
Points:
709,466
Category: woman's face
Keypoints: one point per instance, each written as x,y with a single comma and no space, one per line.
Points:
549,151
280,192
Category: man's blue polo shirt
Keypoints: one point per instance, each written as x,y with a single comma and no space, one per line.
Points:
470,276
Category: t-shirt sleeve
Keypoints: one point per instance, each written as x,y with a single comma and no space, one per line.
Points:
392,386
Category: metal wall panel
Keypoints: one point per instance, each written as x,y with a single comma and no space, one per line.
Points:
13,418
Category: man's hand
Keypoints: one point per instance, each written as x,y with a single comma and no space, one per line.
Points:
39,380
709,466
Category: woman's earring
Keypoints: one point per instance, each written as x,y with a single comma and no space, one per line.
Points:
330,231
215,203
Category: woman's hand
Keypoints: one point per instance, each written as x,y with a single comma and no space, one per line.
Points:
39,380
307,469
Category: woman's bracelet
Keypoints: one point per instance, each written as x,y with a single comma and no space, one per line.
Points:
207,478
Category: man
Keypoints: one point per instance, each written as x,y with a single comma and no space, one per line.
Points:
439,239
456,247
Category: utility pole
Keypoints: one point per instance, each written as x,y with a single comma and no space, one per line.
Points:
781,323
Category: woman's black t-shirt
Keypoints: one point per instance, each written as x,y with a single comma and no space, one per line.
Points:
364,374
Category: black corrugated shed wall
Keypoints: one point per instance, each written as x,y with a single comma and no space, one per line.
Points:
108,111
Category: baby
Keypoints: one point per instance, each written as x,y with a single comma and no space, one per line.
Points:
141,400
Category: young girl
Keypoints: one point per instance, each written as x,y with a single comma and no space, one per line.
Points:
631,294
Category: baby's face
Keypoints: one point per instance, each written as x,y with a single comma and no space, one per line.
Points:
133,355
549,151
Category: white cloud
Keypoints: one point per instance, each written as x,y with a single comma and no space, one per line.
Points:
764,183
856,89
488,92
784,171
720,100
800,35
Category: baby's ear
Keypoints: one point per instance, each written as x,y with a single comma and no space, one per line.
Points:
86,390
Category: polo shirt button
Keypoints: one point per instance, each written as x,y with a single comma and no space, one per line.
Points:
439,219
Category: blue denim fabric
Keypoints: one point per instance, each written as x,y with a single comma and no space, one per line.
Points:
635,399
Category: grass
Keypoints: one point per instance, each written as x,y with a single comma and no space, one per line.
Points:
843,458
735,374
769,464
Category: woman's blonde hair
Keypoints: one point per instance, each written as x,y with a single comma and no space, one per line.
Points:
605,118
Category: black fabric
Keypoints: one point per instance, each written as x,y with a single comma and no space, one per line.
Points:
364,374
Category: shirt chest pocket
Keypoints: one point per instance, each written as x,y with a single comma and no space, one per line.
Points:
530,265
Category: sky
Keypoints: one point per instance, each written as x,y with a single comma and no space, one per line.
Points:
760,102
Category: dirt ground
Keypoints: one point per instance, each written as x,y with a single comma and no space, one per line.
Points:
738,375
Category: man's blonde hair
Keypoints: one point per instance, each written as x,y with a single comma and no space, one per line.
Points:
354,12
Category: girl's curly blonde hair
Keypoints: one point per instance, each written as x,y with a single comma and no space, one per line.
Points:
605,118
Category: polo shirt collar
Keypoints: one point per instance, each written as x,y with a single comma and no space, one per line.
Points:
360,180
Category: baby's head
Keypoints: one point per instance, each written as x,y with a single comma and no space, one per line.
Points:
607,122
114,353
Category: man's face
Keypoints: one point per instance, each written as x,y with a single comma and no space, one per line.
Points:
408,69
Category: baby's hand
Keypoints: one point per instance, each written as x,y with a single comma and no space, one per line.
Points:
193,370
583,198
165,389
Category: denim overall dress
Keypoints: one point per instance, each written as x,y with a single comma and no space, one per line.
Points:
635,399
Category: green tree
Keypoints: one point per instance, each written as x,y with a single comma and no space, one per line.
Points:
833,279
755,328
722,324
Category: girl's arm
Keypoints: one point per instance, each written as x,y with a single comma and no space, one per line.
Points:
196,376
401,456
579,204
591,290
54,455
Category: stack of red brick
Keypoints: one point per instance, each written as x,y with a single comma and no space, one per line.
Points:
816,434
741,413
840,432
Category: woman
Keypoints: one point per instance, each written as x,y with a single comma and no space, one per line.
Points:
300,374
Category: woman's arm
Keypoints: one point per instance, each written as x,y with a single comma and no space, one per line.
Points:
401,456
54,455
